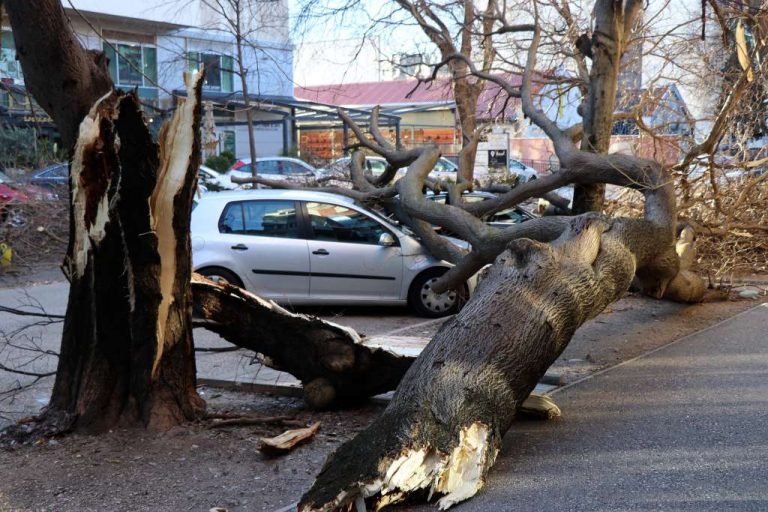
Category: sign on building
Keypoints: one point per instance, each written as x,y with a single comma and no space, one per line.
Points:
493,154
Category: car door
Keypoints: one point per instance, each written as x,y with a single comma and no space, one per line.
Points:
265,241
347,261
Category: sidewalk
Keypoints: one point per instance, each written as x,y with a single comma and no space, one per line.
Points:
684,427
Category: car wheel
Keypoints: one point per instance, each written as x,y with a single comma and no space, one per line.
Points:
221,276
424,302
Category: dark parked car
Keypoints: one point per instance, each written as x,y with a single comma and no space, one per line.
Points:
502,219
53,176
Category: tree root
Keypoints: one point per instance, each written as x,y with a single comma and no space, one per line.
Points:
37,429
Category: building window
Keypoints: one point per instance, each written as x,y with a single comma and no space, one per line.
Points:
135,64
9,66
218,70
228,142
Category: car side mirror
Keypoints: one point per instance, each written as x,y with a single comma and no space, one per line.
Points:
387,240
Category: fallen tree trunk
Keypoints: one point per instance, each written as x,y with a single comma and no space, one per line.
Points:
329,359
444,426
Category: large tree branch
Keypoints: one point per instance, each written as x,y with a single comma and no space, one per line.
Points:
330,360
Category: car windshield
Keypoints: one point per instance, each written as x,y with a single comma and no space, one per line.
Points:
444,166
4,178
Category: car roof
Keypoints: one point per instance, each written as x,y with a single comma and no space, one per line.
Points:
269,158
288,194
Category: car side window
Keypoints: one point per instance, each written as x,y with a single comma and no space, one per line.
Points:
336,223
231,220
260,218
267,167
293,169
245,169
376,166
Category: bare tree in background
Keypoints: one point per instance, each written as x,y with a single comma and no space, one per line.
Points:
243,20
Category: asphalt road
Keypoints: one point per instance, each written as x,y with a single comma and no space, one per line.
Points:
682,428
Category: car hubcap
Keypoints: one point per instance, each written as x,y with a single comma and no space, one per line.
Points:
436,302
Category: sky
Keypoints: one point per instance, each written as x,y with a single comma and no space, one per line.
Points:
327,49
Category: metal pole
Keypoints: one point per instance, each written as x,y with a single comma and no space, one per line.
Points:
345,138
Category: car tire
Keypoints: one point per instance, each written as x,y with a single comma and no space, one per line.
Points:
221,275
425,303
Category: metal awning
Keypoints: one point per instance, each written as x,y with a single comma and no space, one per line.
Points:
306,114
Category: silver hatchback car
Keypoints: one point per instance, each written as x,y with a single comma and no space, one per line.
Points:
303,247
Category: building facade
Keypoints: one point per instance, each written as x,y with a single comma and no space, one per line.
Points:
150,45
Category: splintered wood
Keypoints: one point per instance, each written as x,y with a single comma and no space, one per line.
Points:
288,440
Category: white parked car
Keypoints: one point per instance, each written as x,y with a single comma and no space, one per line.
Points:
303,247
275,168
209,180
525,172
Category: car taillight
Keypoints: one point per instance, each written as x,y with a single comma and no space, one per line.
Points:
238,165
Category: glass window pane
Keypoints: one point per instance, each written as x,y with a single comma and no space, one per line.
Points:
110,53
294,169
267,167
340,224
7,41
193,61
212,65
444,166
129,65
150,64
9,66
377,166
227,68
246,168
231,220
228,142
511,215
271,218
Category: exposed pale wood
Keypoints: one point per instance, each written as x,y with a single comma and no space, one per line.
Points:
288,440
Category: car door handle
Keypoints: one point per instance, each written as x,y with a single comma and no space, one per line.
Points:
321,252
239,247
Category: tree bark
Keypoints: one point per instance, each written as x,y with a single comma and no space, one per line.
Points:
443,428
126,355
608,40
